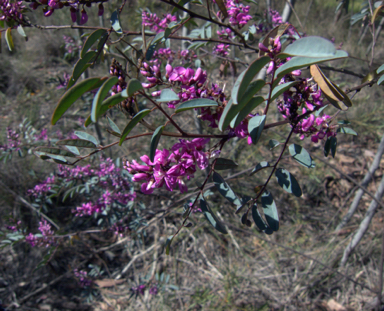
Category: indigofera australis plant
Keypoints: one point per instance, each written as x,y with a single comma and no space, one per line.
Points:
161,80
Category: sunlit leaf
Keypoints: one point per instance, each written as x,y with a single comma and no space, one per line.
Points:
86,136
211,217
270,210
312,46
133,86
273,143
259,221
346,130
115,22
167,95
9,40
259,167
301,156
196,103
225,190
255,128
288,182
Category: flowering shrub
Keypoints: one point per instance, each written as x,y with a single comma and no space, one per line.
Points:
161,82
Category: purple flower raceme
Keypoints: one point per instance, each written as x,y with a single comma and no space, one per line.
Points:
46,237
82,278
170,168
12,11
155,23
13,141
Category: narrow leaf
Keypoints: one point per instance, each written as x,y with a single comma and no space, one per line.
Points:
288,182
113,126
380,69
380,80
244,112
246,77
73,149
9,40
225,190
270,210
211,217
100,95
255,128
136,119
225,164
301,156
73,94
273,143
76,142
280,89
330,145
81,65
92,38
259,167
21,32
196,103
299,62
167,244
86,136
155,141
55,151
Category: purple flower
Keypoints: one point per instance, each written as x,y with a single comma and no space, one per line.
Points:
84,17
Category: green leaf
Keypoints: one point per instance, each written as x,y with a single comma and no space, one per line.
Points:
246,77
155,141
239,112
301,156
273,143
380,80
312,46
167,244
167,95
210,216
248,108
92,38
9,40
113,126
100,95
280,89
109,103
152,48
181,3
115,22
330,145
73,149
133,86
259,221
288,182
76,142
259,167
225,164
195,103
88,121
225,190
136,119
55,151
270,210
81,65
380,69
299,62
346,130
86,136
73,94
251,90
255,128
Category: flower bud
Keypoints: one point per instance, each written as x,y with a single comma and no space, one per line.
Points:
101,10
84,17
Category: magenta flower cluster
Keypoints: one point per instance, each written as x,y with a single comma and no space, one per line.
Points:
49,6
11,11
155,23
170,55
170,169
46,238
139,290
13,141
82,278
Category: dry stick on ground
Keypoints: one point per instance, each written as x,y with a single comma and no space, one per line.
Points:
359,193
364,224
